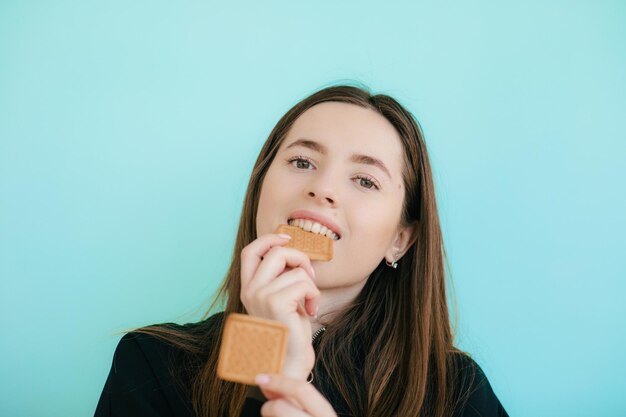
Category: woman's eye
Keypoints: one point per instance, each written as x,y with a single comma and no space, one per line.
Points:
367,183
301,163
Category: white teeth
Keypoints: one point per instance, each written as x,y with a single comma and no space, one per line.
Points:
314,227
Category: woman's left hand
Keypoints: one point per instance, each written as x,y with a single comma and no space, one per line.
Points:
292,397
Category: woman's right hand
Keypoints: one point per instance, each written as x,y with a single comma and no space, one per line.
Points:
288,397
277,283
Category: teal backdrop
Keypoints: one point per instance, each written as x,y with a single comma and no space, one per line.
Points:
128,130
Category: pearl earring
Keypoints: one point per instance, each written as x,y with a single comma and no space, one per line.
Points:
393,264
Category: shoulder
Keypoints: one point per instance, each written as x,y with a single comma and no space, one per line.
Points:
155,365
160,341
476,396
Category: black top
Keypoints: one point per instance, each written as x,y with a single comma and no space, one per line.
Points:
141,382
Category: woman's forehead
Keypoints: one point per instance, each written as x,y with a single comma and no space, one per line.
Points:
347,129
345,118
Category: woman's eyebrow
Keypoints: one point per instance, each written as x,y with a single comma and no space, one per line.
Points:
356,158
311,144
370,160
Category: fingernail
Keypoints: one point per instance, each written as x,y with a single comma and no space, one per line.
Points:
262,379
317,312
284,236
312,271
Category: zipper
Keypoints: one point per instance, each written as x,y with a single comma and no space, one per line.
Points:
315,335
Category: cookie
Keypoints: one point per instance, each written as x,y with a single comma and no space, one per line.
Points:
251,346
317,247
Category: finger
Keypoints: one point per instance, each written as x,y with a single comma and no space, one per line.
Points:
289,298
276,260
274,264
287,279
252,254
281,408
306,395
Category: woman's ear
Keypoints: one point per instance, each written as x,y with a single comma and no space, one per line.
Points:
404,238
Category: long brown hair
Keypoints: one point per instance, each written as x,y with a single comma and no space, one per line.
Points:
398,324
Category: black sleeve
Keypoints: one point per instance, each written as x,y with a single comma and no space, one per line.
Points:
139,383
482,401
251,408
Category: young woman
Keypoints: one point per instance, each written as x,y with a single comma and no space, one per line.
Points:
369,333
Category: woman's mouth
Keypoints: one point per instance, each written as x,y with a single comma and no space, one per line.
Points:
313,227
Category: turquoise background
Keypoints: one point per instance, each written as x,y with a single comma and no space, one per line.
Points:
128,130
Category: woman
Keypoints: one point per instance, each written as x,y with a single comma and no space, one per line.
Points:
352,166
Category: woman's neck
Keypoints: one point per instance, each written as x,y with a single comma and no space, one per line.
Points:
333,301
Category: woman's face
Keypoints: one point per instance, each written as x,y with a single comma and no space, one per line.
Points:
341,166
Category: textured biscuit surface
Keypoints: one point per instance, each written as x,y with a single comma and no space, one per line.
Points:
317,247
251,346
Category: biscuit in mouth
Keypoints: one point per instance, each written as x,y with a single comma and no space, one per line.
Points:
317,247
314,227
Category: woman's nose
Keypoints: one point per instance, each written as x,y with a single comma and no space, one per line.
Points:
324,197
324,185
323,188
